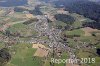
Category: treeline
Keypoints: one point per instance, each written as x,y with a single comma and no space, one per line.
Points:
30,21
86,8
65,18
5,56
36,11
95,25
10,3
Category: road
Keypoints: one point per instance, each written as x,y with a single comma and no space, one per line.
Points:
6,26
42,27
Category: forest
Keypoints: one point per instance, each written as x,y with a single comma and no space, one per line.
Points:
86,8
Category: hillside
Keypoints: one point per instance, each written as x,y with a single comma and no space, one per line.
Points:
10,3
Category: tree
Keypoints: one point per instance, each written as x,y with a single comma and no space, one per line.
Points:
5,56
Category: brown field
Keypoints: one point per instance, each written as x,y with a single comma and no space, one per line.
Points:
38,46
89,30
41,52
1,12
30,16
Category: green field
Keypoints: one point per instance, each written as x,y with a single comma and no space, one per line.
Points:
64,56
22,55
75,32
23,29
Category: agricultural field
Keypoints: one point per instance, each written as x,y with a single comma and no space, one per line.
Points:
33,32
23,55
23,29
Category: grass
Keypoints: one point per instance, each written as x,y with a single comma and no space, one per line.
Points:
1,45
77,24
18,26
82,54
64,56
24,56
72,43
96,62
24,30
60,23
98,45
75,32
89,39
